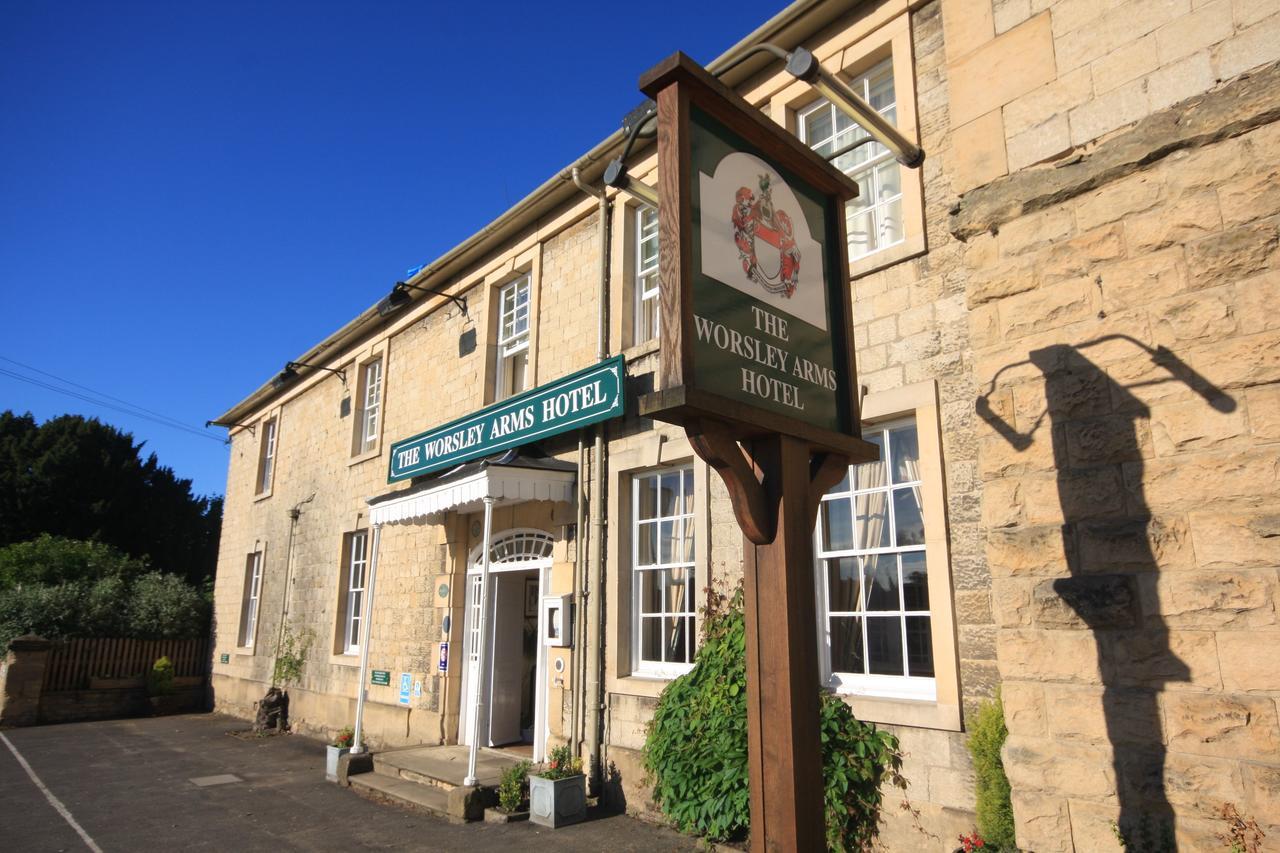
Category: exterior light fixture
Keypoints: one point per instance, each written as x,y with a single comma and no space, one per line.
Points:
290,373
249,427
399,297
637,125
803,65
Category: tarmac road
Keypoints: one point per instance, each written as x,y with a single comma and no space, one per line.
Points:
128,785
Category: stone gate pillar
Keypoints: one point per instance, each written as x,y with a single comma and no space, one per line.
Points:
22,679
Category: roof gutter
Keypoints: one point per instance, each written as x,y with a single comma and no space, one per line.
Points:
794,23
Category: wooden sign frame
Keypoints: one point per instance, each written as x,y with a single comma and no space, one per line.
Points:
679,84
776,467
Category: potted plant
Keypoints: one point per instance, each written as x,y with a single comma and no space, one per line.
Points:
338,747
513,789
558,793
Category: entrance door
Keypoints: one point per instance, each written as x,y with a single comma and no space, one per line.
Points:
509,694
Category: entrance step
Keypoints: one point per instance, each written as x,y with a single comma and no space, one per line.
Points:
426,777
429,797
442,766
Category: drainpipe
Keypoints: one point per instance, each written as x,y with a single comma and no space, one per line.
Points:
593,589
295,513
362,680
580,555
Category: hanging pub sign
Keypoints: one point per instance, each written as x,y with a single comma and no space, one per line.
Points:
756,316
585,397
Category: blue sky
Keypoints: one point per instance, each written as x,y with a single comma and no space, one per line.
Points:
194,193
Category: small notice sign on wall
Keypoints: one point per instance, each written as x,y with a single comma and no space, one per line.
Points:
381,677
406,686
224,658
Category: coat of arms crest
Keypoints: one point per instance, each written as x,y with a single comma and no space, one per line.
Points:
755,218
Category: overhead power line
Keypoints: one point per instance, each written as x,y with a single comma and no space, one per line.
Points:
98,398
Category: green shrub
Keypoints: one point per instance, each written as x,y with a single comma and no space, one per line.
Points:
160,678
987,734
561,764
291,657
513,786
52,560
696,750
163,607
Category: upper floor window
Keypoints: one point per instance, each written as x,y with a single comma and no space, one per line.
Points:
369,415
874,219
249,599
873,573
646,267
513,339
662,544
266,457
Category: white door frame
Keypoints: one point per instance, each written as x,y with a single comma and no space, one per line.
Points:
521,563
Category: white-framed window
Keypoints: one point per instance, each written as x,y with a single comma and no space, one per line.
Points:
872,573
662,557
874,219
369,416
249,601
266,457
355,552
646,275
513,339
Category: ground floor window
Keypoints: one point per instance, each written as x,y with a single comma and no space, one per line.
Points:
249,601
662,554
873,572
355,551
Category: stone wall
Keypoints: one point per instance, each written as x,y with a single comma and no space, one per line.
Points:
1128,362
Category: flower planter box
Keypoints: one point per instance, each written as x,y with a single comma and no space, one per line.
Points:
557,802
332,755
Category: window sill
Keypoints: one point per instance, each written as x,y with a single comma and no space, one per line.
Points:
365,456
915,713
639,351
349,660
876,261
262,496
650,684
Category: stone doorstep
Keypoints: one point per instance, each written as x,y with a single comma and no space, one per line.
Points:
402,792
442,766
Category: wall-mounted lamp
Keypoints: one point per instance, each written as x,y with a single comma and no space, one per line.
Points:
803,65
399,297
250,427
290,373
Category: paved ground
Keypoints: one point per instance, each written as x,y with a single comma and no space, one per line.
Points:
127,783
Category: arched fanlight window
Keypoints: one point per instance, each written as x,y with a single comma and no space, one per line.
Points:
521,546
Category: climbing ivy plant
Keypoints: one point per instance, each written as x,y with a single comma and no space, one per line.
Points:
696,749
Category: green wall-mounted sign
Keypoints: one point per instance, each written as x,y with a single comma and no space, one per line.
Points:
579,399
380,676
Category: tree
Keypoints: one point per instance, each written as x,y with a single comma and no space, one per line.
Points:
79,478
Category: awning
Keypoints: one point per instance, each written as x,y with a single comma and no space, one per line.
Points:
509,478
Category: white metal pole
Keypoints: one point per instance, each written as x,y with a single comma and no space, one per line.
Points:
479,679
357,744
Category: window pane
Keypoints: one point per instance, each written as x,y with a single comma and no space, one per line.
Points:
915,582
650,592
669,494
843,585
904,445
870,475
873,520
908,523
837,525
846,644
890,219
688,542
919,646
888,180
651,638
884,645
677,636
842,486
880,575
687,487
677,597
647,498
667,542
647,544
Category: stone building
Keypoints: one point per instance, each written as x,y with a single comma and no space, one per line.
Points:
1066,329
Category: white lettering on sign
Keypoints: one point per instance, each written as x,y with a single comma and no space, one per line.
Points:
769,356
570,402
505,424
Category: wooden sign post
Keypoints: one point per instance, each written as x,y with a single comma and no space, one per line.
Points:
757,365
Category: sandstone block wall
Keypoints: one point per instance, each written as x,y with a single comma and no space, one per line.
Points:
1126,356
